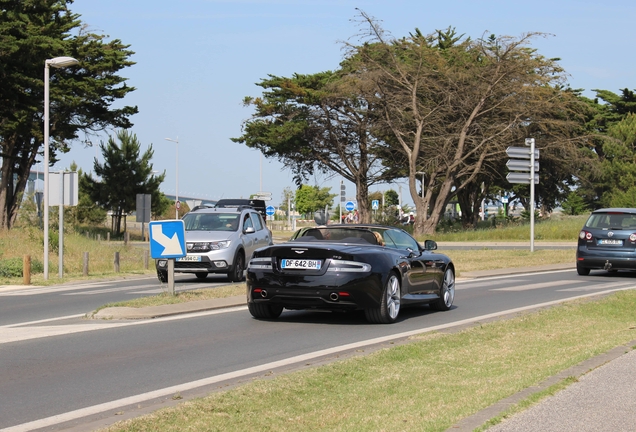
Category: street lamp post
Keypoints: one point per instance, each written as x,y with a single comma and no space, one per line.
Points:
57,62
176,202
423,174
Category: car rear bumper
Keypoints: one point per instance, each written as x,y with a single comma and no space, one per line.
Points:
346,292
605,259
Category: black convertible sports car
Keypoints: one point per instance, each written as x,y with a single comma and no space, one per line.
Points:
349,267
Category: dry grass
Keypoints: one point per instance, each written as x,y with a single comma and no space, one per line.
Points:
556,228
490,259
101,254
183,296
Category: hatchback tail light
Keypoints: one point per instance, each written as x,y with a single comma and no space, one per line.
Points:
586,235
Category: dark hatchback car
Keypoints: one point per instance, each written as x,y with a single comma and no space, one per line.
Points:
373,268
607,241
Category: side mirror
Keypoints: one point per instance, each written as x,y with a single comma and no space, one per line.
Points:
430,245
249,230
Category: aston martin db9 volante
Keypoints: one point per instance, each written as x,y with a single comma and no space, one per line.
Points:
373,268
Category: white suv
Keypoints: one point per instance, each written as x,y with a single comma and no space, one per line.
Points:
219,240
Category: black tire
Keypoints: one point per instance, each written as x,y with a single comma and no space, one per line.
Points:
389,308
264,311
162,276
447,292
236,274
201,275
582,271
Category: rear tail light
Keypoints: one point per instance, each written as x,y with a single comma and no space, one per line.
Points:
632,237
586,235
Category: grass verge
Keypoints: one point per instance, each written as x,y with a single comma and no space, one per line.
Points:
426,385
181,297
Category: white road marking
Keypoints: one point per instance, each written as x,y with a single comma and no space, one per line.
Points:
489,283
17,332
168,391
538,285
596,287
116,289
28,323
12,291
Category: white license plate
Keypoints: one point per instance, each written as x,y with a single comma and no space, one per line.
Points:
610,242
190,258
300,264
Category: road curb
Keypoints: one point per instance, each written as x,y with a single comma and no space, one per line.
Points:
149,312
477,420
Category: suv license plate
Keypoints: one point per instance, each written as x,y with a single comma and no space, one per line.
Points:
190,258
610,242
300,264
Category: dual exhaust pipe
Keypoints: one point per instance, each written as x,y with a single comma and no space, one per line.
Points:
333,296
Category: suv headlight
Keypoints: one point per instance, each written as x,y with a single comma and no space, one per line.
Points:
220,245
208,246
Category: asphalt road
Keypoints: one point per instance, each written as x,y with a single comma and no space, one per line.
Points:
71,372
24,304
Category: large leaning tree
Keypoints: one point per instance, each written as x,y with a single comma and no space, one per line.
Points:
124,174
81,97
315,123
448,109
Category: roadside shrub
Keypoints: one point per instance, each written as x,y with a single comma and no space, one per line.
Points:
12,267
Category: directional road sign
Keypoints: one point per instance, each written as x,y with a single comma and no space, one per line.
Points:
523,178
521,165
270,210
167,239
521,152
349,206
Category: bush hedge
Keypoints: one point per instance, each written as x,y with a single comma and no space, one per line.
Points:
12,267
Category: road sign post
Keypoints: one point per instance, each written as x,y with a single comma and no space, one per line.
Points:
527,164
530,141
342,197
167,240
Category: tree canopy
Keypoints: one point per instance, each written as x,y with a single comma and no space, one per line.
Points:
81,97
438,109
312,198
124,174
449,108
315,122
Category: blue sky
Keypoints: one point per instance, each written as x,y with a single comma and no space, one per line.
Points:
197,60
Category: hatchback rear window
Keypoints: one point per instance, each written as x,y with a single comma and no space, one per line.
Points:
612,221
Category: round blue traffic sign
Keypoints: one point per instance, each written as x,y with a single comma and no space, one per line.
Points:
270,210
349,206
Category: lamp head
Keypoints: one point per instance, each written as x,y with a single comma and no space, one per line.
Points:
61,62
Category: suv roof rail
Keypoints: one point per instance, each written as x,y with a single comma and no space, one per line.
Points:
256,204
202,206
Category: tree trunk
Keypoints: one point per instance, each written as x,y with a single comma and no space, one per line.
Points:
427,226
10,192
362,197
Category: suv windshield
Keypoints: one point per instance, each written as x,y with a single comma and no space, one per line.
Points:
211,221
